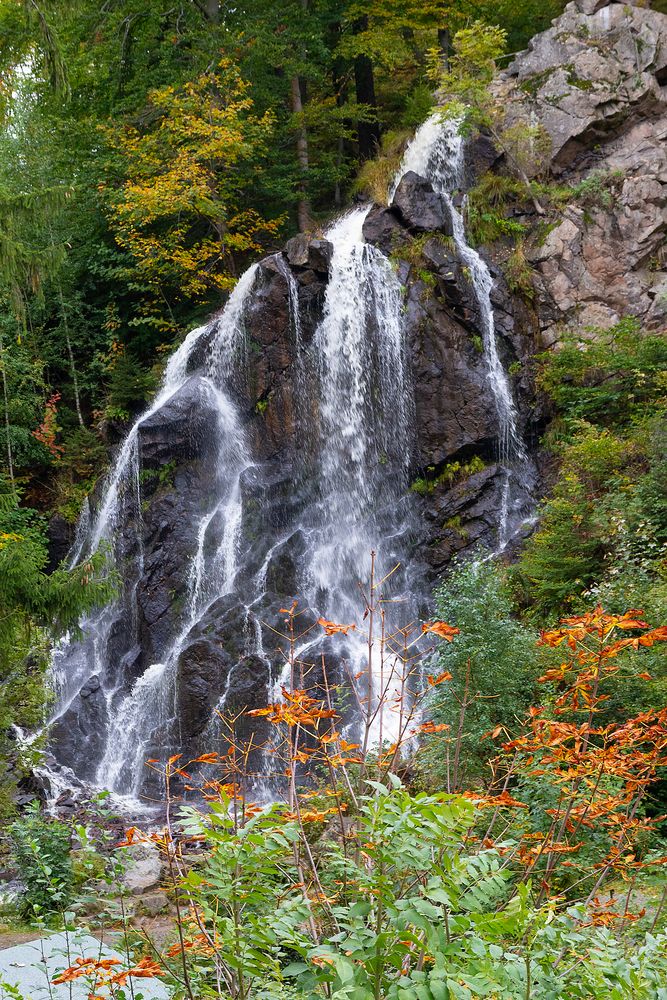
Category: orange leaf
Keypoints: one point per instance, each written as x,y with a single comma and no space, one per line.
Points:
441,629
330,628
440,679
432,727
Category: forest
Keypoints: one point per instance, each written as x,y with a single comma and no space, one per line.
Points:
464,799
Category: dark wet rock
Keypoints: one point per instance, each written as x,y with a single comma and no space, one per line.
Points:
463,518
455,408
66,802
215,666
384,229
90,687
181,428
313,254
77,736
481,156
30,788
419,207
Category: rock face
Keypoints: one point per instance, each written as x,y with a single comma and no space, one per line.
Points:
596,83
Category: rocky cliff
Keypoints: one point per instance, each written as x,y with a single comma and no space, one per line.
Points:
596,83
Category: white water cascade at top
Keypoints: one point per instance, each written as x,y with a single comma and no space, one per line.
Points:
437,152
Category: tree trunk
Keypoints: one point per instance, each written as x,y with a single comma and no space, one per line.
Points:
213,10
303,207
70,352
444,42
10,457
339,90
368,131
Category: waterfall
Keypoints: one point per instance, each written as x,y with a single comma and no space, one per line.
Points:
437,152
133,715
345,495
362,503
355,403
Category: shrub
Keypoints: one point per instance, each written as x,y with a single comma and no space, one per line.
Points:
493,664
612,377
566,555
41,852
375,176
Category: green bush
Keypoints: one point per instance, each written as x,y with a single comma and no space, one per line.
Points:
41,852
407,908
567,553
494,664
605,520
610,377
451,473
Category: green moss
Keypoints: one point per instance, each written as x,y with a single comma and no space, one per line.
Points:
577,81
452,473
532,84
455,524
412,252
543,230
427,278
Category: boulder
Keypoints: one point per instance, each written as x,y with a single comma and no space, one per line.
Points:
303,251
419,207
143,868
151,904
383,228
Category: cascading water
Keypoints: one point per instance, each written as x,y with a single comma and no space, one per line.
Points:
352,473
437,153
365,408
346,495
133,715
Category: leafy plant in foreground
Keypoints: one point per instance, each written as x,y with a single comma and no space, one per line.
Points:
41,851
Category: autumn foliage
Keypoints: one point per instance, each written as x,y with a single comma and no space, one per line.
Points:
181,212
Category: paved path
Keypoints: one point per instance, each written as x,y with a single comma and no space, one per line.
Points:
31,966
